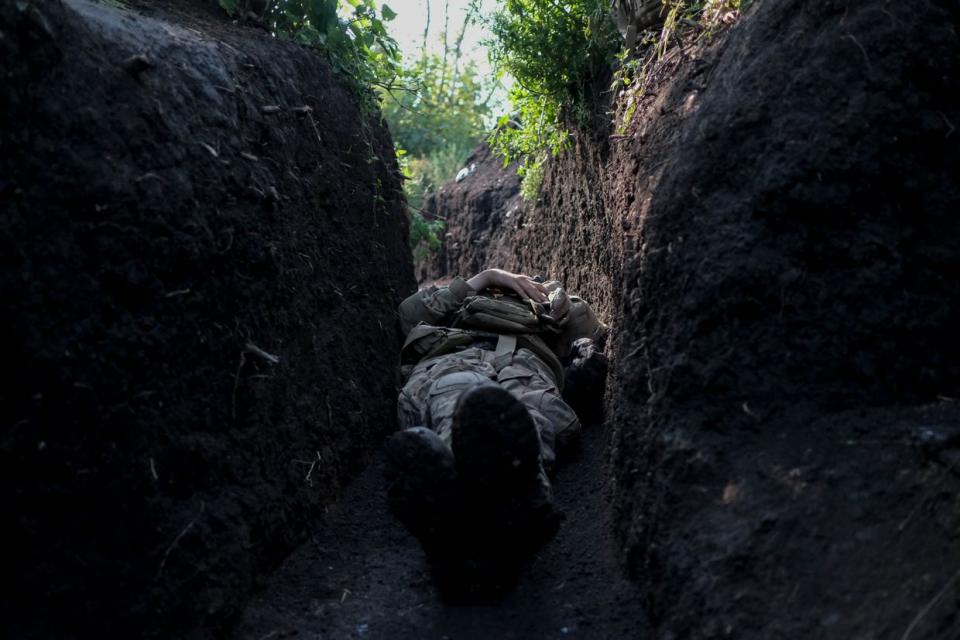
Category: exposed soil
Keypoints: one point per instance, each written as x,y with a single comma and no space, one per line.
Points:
479,213
363,576
198,340
200,343
788,322
488,223
775,223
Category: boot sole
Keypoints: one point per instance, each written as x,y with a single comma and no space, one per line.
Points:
495,440
422,483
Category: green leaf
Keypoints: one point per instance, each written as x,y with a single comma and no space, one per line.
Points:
230,6
387,13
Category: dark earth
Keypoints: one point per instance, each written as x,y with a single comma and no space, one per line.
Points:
770,224
204,243
199,291
363,576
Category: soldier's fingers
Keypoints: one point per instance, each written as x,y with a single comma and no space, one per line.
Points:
521,287
515,285
532,291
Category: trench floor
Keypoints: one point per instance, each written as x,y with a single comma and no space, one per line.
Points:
361,575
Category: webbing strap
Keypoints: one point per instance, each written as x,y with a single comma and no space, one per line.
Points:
506,345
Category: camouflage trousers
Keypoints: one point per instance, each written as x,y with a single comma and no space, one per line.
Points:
430,394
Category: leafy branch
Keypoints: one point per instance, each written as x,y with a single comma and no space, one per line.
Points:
553,51
352,33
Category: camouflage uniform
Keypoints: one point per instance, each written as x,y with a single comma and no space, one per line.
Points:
525,366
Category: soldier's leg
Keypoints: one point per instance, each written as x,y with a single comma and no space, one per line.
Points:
431,393
445,499
461,389
499,458
421,470
529,380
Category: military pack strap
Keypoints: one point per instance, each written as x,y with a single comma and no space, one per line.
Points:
426,341
506,346
504,314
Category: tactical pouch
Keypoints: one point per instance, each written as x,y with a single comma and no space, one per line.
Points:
426,341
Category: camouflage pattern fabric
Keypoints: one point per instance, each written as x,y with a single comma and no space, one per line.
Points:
435,384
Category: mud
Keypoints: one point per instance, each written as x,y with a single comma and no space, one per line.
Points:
203,242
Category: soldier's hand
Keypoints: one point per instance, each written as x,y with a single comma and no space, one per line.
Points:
521,284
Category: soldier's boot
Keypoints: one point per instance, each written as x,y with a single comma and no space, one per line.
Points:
497,452
422,483
495,441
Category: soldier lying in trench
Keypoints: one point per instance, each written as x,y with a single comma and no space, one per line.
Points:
483,410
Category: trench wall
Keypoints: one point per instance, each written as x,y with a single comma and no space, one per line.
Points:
204,242
770,229
565,235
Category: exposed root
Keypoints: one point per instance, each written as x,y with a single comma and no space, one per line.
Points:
257,351
166,554
866,58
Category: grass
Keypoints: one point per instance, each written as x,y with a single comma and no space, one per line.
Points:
687,22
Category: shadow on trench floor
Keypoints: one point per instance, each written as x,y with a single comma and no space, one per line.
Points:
362,576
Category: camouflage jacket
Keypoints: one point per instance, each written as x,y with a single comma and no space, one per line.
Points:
427,315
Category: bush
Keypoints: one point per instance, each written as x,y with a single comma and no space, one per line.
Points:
352,33
437,120
440,105
553,51
424,235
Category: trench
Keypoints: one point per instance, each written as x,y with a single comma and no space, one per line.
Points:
362,576
202,348
201,303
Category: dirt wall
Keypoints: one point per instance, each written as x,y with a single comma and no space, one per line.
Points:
203,243
480,213
775,221
563,235
789,328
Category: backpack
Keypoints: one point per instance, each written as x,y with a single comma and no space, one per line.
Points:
504,319
505,314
